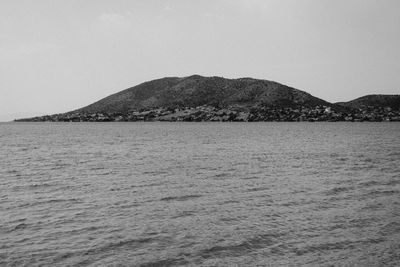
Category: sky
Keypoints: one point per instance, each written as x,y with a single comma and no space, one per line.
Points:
60,55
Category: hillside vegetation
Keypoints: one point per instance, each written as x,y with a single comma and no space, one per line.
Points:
196,91
392,101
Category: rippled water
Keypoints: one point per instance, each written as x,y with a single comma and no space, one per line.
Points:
211,194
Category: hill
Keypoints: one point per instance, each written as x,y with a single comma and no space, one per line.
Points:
198,98
392,101
196,91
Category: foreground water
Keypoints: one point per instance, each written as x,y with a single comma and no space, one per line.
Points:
211,194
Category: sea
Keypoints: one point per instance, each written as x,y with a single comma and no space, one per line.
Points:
200,194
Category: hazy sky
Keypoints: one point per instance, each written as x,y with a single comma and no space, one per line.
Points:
59,55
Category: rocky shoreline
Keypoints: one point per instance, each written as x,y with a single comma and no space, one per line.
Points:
231,113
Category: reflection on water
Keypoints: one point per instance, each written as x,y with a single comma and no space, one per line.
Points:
159,194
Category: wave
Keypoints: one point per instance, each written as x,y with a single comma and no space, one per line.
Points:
165,262
246,246
180,198
21,226
338,190
340,245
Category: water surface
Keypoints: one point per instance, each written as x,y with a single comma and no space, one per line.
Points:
210,194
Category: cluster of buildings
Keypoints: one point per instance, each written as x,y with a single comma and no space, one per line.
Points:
234,113
374,114
324,113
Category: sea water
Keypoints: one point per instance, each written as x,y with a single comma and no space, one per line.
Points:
208,194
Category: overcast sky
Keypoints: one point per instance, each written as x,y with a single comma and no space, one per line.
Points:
59,55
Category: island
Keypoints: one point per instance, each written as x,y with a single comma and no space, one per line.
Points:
196,98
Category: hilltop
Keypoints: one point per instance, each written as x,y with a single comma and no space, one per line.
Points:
376,101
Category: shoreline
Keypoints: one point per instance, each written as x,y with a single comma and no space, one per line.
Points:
230,114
